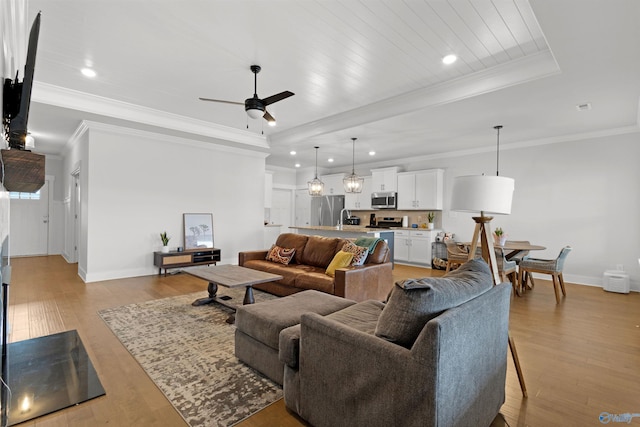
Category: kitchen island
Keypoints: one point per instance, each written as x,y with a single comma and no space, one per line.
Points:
348,232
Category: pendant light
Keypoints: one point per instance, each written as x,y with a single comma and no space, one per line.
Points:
353,183
316,187
497,128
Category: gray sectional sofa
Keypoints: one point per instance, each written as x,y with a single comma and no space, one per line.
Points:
433,355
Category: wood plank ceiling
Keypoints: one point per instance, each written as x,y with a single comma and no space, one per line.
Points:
364,68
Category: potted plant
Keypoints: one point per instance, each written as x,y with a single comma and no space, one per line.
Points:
430,218
165,241
499,236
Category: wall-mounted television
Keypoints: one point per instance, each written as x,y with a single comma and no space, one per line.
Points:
23,170
17,95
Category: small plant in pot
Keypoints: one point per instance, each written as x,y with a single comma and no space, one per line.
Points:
165,241
430,217
499,236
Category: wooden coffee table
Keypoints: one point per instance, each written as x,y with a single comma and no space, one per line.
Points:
230,276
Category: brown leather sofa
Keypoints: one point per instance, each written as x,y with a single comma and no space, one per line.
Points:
373,280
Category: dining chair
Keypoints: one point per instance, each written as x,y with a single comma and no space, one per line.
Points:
507,269
545,266
456,255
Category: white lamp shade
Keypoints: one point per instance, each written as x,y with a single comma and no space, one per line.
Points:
480,193
254,113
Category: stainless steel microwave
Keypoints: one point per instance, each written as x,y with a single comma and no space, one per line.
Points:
384,200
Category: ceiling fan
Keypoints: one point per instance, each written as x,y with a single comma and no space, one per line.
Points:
256,107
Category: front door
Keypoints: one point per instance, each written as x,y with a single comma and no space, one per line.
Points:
29,223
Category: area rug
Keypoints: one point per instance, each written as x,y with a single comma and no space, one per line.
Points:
188,352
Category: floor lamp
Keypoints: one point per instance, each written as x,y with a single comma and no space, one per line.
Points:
492,195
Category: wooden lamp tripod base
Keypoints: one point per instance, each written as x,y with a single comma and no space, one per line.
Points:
483,233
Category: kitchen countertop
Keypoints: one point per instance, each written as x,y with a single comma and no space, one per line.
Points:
358,228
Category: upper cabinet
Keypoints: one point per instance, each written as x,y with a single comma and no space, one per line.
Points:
420,190
384,179
333,185
362,201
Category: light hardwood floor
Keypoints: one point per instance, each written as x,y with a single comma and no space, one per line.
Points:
580,358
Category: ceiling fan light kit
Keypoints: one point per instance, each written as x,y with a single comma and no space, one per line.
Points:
352,182
254,106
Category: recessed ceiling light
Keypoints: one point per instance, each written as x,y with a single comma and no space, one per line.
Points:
372,153
88,72
330,160
292,152
449,59
297,165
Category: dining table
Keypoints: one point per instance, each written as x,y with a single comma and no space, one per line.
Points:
514,248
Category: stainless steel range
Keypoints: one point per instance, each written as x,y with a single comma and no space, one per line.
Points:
386,222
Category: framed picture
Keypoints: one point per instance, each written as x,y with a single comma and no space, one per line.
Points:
198,230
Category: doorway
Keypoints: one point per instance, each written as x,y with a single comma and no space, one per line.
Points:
29,222
281,208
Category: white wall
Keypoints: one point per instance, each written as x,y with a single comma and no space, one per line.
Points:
140,183
575,193
582,193
76,158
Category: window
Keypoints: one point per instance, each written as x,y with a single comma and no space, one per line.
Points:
24,196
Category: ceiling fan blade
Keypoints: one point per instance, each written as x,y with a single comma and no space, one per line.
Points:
221,100
278,97
268,117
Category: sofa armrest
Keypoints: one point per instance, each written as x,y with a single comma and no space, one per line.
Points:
340,366
249,255
360,283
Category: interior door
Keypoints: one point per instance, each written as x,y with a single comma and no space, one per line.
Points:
303,208
281,209
29,225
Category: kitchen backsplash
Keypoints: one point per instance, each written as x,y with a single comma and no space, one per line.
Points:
415,217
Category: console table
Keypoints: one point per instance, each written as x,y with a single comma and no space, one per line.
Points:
187,258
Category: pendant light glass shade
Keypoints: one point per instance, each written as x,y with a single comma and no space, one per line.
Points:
353,183
316,187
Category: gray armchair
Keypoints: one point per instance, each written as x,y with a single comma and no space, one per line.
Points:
453,374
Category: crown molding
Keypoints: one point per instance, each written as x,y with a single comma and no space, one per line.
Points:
46,93
515,72
503,147
88,125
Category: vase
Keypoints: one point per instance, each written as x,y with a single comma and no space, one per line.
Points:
500,240
430,226
165,249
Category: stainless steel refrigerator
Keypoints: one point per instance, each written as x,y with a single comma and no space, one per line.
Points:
325,210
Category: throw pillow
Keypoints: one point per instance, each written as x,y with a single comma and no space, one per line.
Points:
413,302
280,255
340,260
359,253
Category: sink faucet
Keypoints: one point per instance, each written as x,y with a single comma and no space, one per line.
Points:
340,222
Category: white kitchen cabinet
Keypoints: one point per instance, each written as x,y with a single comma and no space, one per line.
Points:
413,246
359,201
384,179
420,189
333,185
